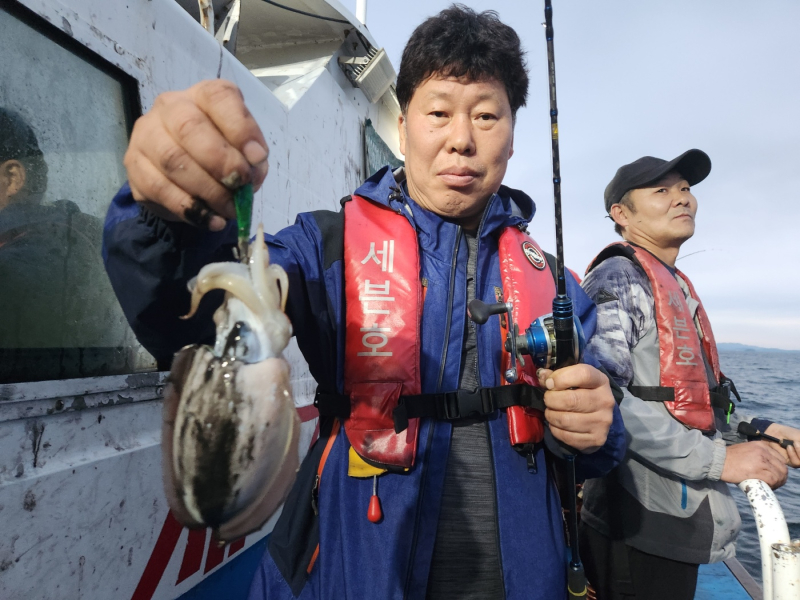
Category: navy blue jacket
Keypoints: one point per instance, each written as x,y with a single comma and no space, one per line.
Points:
149,262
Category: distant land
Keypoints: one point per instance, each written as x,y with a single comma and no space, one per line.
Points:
728,347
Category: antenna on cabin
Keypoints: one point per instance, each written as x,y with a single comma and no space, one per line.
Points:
361,11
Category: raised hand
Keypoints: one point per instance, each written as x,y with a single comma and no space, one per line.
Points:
192,149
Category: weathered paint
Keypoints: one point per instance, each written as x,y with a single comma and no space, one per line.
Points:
786,571
206,15
81,497
770,523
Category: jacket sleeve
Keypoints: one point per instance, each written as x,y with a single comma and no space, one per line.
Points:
656,438
624,314
150,262
607,457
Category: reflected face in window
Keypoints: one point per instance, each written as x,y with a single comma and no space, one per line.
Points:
12,181
23,171
63,131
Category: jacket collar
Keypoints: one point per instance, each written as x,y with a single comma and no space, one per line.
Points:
507,208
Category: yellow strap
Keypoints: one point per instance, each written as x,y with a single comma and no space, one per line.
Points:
359,468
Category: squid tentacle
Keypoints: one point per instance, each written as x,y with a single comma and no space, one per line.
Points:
238,286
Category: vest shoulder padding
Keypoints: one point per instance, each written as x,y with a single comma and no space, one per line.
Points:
613,250
331,225
551,264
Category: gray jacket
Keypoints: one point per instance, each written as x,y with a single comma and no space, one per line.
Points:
666,498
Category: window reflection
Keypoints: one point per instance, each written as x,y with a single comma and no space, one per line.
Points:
63,131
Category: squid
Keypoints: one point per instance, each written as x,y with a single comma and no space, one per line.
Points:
230,429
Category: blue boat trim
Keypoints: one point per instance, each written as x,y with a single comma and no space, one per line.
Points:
232,580
728,580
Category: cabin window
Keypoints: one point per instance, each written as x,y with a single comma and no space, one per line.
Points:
377,153
64,124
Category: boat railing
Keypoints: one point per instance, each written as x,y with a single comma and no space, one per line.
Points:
780,555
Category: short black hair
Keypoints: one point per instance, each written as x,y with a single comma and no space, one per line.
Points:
18,142
458,42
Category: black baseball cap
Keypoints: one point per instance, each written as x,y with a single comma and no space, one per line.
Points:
17,140
694,165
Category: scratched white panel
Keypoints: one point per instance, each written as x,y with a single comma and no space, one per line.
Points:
81,500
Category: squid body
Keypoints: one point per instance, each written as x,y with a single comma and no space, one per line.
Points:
230,428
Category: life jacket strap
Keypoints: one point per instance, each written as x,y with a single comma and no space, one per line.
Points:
445,406
332,405
720,396
463,404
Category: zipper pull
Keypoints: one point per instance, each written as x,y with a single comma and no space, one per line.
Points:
374,513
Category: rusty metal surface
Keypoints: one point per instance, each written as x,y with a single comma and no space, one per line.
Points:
771,525
786,570
43,398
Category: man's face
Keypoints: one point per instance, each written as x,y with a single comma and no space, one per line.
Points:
457,137
664,213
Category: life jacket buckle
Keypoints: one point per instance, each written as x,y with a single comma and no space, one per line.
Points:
469,403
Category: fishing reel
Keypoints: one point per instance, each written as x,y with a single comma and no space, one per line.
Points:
543,340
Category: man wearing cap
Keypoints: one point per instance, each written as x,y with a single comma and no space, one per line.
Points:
23,172
55,298
667,508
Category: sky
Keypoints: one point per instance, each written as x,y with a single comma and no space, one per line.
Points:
639,78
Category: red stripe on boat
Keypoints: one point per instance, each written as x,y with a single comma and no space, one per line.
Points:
307,413
193,555
235,547
159,559
215,554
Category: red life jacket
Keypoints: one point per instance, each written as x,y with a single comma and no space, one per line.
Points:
384,298
682,368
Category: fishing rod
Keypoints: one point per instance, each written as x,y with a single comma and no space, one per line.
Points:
562,303
566,352
554,340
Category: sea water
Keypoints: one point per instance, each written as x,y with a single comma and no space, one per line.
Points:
769,383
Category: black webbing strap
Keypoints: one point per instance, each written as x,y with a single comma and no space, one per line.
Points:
654,393
720,397
462,404
446,406
332,405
